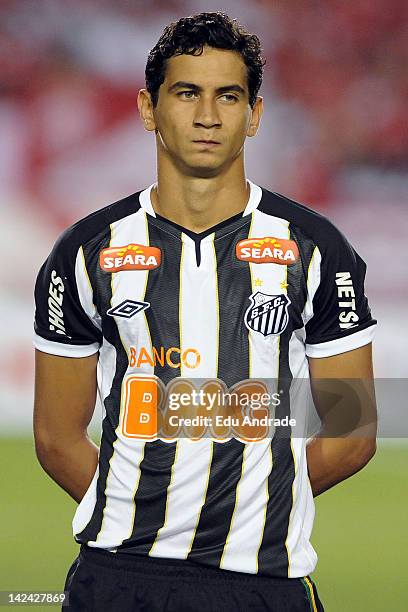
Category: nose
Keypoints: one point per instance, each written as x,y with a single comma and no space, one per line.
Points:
206,114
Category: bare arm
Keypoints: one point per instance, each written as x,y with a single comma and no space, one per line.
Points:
65,393
347,440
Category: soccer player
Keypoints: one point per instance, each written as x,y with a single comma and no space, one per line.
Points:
202,275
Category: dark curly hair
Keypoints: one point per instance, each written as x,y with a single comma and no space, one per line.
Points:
189,35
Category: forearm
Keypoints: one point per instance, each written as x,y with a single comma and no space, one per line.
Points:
72,466
332,460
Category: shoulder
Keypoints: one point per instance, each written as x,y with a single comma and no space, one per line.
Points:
96,224
309,222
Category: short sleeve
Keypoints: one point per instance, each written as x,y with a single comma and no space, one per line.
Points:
341,318
62,326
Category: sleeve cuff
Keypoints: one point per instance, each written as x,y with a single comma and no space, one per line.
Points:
341,345
64,350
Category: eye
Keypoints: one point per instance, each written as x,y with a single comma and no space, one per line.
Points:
230,97
187,95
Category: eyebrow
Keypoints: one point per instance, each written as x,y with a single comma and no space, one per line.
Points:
194,87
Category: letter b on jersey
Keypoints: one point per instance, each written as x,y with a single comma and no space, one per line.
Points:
140,408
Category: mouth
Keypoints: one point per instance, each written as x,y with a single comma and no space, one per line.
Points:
207,143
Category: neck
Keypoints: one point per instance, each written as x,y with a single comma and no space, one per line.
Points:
200,203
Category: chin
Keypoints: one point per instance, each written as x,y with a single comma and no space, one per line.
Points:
204,170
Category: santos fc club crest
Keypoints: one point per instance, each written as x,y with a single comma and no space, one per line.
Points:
267,314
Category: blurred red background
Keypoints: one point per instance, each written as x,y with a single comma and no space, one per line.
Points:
334,134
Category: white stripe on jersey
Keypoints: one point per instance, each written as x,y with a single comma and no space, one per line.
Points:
106,371
86,507
132,229
199,325
301,402
313,282
105,375
302,513
185,498
199,306
266,278
85,291
247,527
124,467
121,487
301,554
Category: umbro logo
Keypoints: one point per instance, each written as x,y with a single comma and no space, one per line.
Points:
127,309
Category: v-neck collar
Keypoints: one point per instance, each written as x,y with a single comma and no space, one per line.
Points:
198,236
215,232
255,196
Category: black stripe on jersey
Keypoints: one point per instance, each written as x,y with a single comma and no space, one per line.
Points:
151,496
297,274
162,293
273,555
102,297
216,514
234,289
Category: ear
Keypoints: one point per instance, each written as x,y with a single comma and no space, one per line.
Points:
256,115
145,106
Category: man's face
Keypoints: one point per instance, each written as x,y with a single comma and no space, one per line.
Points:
204,98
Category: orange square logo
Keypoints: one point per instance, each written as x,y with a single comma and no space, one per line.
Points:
140,408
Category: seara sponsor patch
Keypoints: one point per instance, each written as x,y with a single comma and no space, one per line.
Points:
268,250
130,257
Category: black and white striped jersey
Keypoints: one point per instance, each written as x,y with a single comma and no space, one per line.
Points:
250,298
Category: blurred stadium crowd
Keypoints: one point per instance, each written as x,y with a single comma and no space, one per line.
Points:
334,133
336,86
